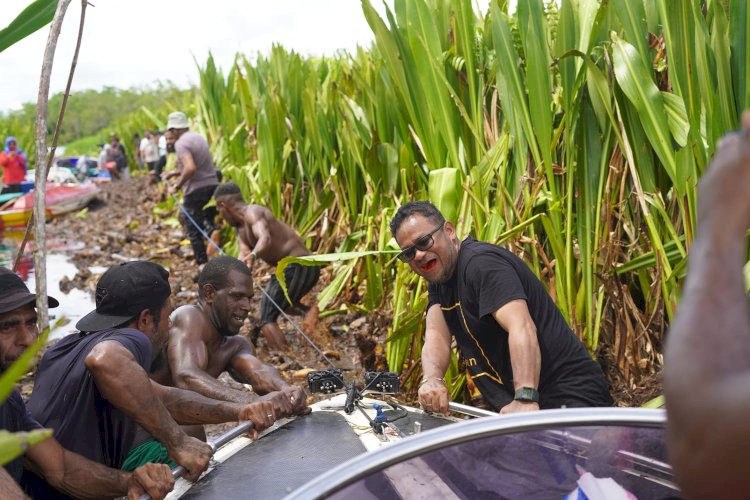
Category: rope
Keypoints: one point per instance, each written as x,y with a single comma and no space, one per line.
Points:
286,316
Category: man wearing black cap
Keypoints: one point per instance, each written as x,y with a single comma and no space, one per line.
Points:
93,387
66,471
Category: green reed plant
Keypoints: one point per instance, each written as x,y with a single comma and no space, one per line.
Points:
573,133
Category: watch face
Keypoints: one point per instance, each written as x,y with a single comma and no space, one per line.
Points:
527,394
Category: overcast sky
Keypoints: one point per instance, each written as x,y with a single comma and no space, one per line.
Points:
137,42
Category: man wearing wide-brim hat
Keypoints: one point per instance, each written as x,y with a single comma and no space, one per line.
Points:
93,387
196,177
62,469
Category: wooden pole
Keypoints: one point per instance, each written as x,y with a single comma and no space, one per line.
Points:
58,127
40,265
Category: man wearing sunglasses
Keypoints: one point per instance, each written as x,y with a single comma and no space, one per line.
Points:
519,351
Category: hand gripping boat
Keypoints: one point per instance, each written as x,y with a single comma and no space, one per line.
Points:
358,447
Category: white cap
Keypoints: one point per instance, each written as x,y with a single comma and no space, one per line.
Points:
177,120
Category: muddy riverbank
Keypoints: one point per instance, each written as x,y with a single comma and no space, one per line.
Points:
120,226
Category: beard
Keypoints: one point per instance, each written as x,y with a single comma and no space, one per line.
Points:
448,269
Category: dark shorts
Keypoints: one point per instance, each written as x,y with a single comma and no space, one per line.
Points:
299,280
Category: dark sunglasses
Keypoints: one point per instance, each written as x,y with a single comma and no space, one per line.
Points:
423,243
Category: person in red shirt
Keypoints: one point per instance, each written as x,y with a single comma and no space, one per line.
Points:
13,162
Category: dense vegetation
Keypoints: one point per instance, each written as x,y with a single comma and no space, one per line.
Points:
91,115
572,132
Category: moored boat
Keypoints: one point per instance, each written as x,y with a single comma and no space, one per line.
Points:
60,199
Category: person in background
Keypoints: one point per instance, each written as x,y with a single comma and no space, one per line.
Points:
137,149
62,469
161,147
261,235
149,154
82,167
116,154
13,162
102,158
707,357
197,178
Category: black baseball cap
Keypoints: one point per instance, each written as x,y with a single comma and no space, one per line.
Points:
14,293
123,292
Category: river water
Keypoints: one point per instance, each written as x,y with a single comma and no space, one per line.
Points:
74,304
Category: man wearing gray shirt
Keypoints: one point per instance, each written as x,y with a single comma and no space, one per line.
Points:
196,177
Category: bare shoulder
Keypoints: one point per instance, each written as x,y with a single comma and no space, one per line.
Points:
187,313
258,212
188,320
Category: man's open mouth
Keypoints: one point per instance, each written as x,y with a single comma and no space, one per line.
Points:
428,266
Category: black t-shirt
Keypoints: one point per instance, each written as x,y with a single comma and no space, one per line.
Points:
14,417
67,399
486,278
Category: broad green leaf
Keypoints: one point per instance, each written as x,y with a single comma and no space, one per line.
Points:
538,80
677,118
24,362
636,82
37,15
320,260
334,288
567,40
686,50
632,15
720,44
511,79
15,444
445,189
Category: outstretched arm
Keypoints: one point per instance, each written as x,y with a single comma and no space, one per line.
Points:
707,365
246,368
84,478
125,384
189,407
188,360
265,379
436,356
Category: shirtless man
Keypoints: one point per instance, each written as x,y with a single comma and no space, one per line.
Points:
203,343
707,360
262,235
